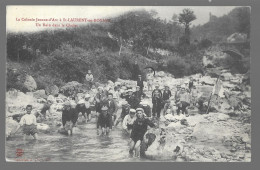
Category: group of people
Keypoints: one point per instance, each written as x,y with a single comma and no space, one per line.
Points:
135,117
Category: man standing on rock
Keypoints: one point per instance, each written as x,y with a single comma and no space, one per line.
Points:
177,93
149,78
157,90
166,94
89,79
191,84
28,121
157,104
140,82
183,102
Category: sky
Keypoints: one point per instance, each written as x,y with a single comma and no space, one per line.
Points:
14,13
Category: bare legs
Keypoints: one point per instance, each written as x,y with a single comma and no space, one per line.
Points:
135,146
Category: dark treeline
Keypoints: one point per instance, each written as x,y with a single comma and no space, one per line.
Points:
109,49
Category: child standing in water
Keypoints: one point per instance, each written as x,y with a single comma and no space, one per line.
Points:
28,121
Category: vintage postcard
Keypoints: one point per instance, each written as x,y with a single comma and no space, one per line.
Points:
128,84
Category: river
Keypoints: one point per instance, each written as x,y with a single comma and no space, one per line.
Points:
83,146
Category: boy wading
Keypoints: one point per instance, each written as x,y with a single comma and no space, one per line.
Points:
28,121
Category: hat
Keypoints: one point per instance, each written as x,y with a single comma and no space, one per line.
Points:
178,85
130,90
132,110
140,109
157,85
87,96
104,108
139,75
100,87
81,101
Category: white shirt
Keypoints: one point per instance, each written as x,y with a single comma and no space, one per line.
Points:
28,119
89,77
128,120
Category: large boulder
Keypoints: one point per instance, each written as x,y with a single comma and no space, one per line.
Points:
40,94
212,131
11,126
30,84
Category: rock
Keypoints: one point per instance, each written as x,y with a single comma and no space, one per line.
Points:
41,100
53,90
30,83
40,94
211,131
11,126
43,127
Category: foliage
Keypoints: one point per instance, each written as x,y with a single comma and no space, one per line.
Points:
219,28
185,18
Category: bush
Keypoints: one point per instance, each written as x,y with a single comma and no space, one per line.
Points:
15,80
205,43
177,67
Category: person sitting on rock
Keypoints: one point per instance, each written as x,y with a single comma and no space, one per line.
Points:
166,94
183,102
128,121
147,109
157,104
69,117
168,108
29,124
140,126
105,121
138,93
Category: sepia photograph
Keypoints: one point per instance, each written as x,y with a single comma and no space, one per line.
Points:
128,84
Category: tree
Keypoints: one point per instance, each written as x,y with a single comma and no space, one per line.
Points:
185,18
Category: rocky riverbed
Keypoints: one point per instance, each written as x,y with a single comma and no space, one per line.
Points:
223,135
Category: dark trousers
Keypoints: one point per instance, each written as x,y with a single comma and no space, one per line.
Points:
183,108
156,111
